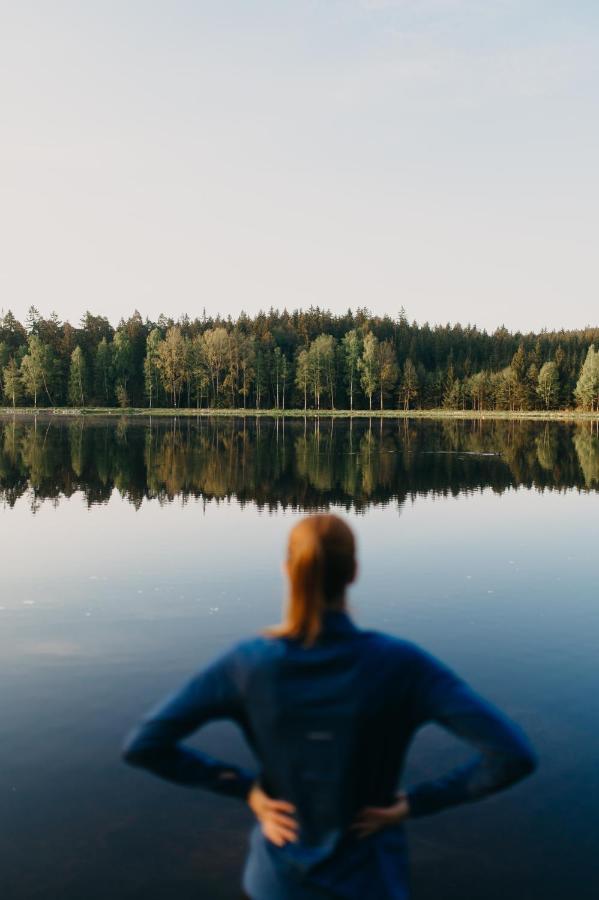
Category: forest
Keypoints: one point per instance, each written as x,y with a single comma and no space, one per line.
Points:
309,359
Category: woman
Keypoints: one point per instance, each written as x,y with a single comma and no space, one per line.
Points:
329,711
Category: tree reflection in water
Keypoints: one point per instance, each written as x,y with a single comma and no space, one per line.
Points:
295,463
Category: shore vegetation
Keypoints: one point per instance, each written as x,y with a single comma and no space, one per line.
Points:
311,361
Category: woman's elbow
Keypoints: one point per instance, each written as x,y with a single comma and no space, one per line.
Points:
133,751
523,763
529,762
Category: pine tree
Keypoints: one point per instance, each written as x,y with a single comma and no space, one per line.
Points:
103,373
123,364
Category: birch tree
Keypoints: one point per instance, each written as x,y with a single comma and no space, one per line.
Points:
368,363
13,387
409,384
151,367
216,349
171,363
302,374
77,378
36,368
587,387
386,370
351,352
548,387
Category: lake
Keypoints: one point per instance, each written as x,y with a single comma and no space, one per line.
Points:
135,550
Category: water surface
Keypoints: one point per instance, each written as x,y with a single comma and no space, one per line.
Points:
133,551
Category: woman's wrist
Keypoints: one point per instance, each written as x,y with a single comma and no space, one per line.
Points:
403,806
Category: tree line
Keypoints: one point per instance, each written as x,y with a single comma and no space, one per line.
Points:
302,359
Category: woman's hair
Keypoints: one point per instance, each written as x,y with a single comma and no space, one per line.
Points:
321,562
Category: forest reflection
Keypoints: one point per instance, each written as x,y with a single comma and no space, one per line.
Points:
296,463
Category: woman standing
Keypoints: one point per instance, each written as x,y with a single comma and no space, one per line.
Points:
329,711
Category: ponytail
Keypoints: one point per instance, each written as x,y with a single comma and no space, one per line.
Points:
320,564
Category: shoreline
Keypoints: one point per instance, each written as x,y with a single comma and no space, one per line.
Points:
147,412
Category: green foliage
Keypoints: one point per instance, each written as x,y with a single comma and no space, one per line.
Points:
548,386
587,387
307,358
151,368
37,368
352,348
408,391
77,378
13,386
170,362
369,366
104,373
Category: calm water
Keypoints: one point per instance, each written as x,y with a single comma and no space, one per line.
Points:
132,552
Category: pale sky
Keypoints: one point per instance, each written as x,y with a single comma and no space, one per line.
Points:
179,155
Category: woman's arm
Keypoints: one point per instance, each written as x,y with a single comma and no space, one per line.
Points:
155,743
504,753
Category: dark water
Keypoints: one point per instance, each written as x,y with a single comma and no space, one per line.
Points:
132,552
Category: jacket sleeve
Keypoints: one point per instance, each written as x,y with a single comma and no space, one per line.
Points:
504,753
155,744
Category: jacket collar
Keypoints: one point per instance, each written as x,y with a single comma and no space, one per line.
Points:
337,621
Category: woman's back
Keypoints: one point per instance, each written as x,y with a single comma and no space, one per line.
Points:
329,711
330,725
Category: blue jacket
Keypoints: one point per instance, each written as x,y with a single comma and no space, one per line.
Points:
330,726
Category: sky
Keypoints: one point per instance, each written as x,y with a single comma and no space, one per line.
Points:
181,156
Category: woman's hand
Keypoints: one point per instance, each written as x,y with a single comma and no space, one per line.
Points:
373,818
275,817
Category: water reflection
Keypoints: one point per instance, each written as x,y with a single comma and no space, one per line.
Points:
105,611
300,464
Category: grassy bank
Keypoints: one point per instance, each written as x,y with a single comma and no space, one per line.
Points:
559,415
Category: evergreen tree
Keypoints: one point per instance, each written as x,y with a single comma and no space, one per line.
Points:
123,364
103,373
518,367
277,373
247,357
387,370
254,360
